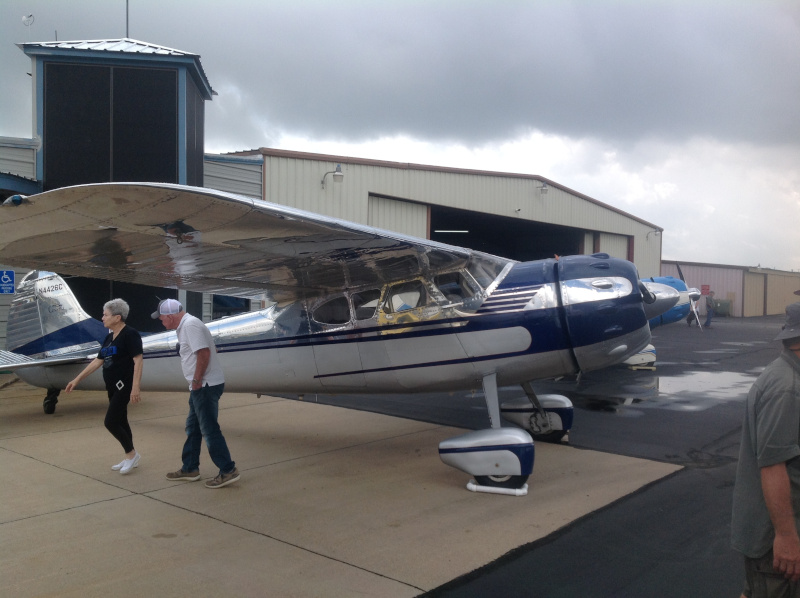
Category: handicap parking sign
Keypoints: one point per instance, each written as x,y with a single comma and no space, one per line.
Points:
7,282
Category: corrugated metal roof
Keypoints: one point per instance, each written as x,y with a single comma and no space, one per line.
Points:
124,46
18,176
257,159
15,183
110,45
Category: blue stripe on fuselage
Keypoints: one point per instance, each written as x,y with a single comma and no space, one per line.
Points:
547,334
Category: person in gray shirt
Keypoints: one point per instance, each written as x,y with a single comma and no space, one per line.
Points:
766,497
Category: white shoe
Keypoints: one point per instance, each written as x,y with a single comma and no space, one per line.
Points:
119,465
129,464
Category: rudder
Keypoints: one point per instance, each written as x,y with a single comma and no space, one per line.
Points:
45,318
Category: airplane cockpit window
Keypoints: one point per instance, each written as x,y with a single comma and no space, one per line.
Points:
485,268
457,287
365,303
439,260
335,311
405,296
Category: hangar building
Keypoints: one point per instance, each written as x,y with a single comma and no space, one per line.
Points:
519,216
739,291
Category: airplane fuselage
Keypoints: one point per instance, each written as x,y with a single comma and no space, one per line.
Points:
539,319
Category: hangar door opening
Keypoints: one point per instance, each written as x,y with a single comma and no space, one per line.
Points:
511,238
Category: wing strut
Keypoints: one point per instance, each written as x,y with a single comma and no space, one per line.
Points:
492,399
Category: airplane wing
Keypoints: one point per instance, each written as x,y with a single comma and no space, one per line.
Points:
204,240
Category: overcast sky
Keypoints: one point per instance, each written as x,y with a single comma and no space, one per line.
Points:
685,113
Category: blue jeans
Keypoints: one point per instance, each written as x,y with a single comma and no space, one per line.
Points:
709,315
202,423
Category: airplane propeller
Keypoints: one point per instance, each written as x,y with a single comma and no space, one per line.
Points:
694,296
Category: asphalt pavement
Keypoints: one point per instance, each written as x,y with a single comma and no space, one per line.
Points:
670,538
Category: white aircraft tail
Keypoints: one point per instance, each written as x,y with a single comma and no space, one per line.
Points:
46,319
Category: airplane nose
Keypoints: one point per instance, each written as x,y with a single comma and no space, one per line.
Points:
662,298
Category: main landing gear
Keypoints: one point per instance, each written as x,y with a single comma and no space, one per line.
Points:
49,403
547,417
501,459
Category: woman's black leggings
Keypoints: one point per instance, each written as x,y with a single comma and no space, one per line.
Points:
117,417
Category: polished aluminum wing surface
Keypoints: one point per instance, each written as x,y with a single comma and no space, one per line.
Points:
205,240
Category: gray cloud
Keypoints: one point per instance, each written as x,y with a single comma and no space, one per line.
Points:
478,74
478,71
667,107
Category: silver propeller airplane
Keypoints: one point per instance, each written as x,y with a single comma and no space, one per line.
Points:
352,309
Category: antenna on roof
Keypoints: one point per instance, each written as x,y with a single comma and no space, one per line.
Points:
126,19
28,20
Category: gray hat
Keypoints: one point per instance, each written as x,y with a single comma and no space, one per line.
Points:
791,329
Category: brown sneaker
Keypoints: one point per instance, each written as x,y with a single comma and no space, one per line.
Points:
188,476
223,479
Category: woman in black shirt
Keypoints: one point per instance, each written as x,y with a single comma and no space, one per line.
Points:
121,359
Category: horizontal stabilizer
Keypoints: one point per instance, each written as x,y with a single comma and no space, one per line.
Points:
13,361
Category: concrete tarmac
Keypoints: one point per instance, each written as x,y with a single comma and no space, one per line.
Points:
332,502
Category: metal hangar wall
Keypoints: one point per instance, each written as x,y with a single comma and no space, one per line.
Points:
741,291
518,216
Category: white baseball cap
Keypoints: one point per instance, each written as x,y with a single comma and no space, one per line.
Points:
167,307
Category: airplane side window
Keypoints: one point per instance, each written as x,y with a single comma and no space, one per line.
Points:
455,286
408,295
365,303
335,311
291,319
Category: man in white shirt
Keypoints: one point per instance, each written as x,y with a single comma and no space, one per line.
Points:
202,370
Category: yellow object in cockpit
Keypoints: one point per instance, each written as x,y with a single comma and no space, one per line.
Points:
405,303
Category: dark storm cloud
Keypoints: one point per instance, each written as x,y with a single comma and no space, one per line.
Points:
470,72
476,73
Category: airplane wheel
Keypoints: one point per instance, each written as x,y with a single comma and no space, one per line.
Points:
502,481
49,403
553,437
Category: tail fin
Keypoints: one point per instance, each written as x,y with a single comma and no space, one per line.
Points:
46,319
